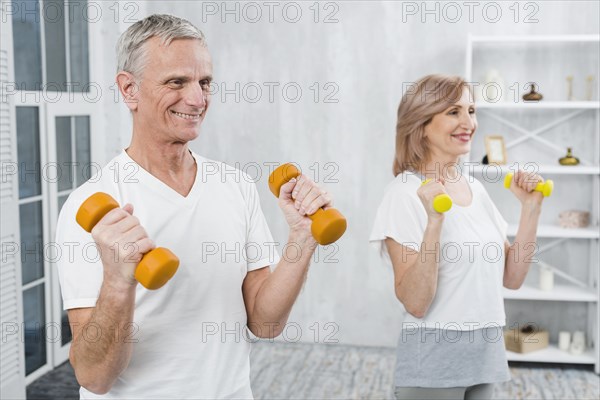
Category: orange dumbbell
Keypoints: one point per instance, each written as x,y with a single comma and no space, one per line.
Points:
327,225
155,268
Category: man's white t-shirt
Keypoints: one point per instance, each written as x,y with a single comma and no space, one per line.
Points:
190,336
471,264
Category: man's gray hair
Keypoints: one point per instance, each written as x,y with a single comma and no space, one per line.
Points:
131,55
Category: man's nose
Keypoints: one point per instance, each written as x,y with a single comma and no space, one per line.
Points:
196,96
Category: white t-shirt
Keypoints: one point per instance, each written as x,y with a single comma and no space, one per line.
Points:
190,339
471,263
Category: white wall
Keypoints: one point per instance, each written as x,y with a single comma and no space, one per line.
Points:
368,54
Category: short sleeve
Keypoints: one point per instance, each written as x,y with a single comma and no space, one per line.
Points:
79,266
260,247
400,216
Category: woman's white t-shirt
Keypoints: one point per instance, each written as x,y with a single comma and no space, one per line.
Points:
471,256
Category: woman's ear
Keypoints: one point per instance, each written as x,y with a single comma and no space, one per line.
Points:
129,89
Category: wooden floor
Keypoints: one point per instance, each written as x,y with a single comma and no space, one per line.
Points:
317,371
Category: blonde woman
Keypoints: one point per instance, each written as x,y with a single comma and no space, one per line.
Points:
449,268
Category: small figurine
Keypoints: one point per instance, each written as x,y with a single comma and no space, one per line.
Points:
589,87
532,95
569,159
570,88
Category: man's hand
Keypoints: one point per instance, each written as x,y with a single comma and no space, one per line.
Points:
299,198
122,242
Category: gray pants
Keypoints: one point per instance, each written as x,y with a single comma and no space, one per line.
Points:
475,392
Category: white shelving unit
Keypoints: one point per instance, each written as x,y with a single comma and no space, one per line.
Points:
558,293
553,354
553,231
542,169
550,105
567,290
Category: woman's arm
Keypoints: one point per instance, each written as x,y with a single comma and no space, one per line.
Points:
521,252
416,272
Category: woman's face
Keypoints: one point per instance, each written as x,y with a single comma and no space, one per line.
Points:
450,132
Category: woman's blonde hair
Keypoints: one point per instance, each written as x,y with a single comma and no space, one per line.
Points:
422,100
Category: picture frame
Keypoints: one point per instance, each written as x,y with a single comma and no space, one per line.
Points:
495,149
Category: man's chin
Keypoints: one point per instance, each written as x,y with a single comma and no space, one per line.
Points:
190,134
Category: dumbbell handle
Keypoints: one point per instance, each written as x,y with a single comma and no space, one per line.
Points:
155,268
545,188
327,225
441,202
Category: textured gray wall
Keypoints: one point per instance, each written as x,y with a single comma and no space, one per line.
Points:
364,57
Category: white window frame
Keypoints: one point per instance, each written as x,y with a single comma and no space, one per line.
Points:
68,105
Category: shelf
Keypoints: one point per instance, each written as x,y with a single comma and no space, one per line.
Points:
554,231
533,38
552,354
515,115
542,169
559,293
543,105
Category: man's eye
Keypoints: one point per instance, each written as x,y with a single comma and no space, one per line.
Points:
176,82
472,111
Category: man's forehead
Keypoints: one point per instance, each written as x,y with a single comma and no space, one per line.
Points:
181,56
178,49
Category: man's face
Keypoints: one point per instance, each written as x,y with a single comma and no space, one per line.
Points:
174,90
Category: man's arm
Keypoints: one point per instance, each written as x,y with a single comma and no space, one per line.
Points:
269,297
99,352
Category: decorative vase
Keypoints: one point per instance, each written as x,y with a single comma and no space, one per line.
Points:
578,343
564,340
532,95
546,279
569,159
494,88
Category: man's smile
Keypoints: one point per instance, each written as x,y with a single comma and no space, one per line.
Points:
188,117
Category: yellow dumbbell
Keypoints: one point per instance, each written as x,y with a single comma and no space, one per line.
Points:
441,202
545,188
155,268
327,225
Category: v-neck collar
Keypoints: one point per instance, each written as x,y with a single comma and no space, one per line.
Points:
151,181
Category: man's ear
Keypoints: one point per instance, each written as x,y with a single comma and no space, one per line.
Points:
129,89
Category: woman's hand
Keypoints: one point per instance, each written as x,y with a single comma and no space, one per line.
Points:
427,193
523,185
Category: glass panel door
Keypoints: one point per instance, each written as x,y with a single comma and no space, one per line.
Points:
31,223
73,157
51,40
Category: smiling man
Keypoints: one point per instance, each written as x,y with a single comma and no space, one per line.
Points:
189,338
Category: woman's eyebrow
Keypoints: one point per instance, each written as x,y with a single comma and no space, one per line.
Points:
460,106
